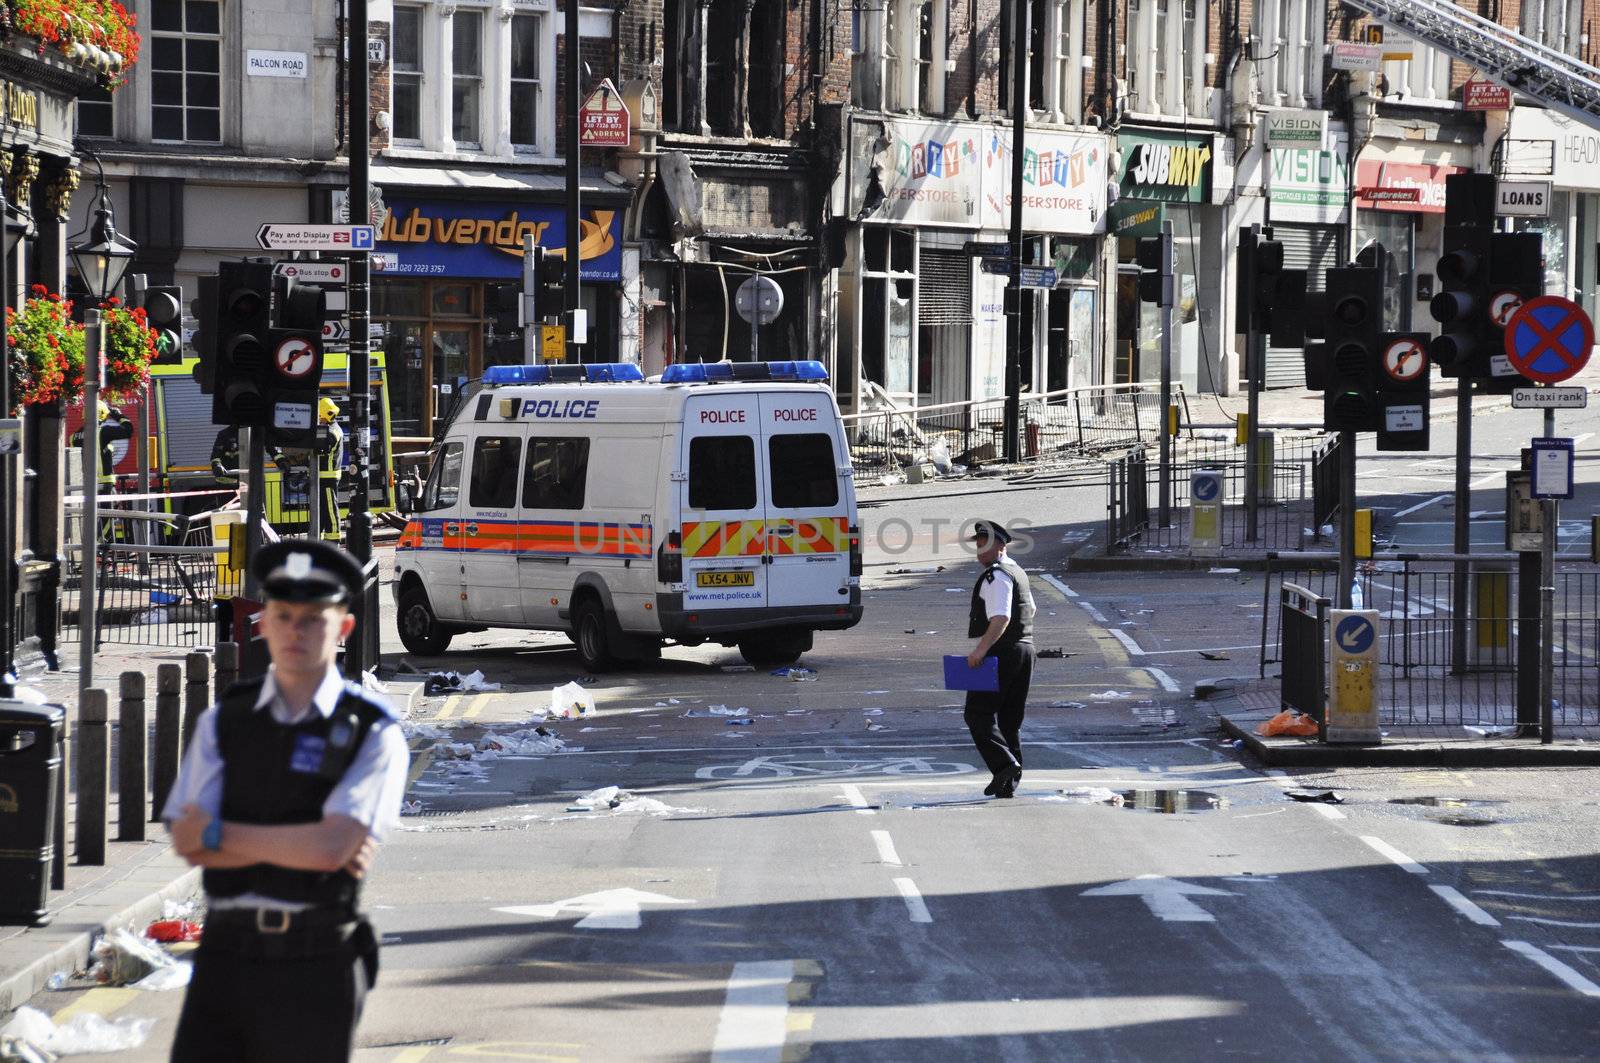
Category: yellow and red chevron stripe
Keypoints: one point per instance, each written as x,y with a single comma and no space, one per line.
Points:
810,535
752,538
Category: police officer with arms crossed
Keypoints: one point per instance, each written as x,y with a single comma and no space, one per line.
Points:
289,783
1001,619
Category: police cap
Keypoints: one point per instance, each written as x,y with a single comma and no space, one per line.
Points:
303,570
984,531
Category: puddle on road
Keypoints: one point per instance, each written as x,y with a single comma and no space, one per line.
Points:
1444,802
1164,801
1461,812
1464,821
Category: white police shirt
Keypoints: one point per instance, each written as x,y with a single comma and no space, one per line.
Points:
370,792
996,593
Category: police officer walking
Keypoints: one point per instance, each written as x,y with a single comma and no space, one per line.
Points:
289,783
1001,619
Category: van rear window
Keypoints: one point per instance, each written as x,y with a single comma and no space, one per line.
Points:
803,473
556,474
722,472
494,472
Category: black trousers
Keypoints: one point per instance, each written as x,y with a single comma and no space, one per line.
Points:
995,717
244,1009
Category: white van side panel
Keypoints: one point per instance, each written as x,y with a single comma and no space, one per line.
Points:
626,467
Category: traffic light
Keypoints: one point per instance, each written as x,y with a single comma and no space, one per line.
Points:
163,312
1154,256
1403,391
1352,351
204,340
244,337
550,292
505,307
1516,275
1462,303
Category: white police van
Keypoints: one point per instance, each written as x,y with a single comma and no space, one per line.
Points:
715,505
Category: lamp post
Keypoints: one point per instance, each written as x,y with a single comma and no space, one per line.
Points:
10,449
101,259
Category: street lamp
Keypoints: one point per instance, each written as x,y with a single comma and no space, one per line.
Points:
105,254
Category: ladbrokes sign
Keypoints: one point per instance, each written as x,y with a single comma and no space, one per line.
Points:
443,238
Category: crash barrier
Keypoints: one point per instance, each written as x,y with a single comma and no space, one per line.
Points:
1492,683
1285,515
893,440
1304,616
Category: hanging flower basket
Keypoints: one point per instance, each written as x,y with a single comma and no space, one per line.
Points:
128,347
98,34
46,351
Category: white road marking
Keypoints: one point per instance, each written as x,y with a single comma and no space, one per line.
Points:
1452,896
1571,978
1167,898
1281,777
1326,811
1395,855
885,845
1555,922
1127,641
1421,505
1095,614
607,910
1577,441
755,1013
1169,684
1211,649
1484,481
1058,585
913,898
857,801
1577,948
1541,896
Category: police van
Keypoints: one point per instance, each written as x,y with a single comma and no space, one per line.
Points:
712,505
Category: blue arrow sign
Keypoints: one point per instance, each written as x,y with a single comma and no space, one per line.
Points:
1205,487
1354,634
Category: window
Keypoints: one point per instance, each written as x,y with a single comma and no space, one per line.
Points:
1172,33
186,71
556,474
466,60
722,472
444,480
525,36
94,113
405,114
723,66
494,472
803,472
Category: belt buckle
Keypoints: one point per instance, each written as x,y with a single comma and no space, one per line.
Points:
268,926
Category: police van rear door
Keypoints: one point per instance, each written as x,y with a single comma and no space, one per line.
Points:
723,517
808,518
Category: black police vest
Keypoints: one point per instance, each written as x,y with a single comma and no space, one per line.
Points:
275,774
1020,628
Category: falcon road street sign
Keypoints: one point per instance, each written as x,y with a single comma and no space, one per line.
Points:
293,236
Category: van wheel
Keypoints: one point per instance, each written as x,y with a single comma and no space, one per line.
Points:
420,630
589,635
770,653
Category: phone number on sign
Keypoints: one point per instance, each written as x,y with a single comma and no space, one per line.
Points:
415,267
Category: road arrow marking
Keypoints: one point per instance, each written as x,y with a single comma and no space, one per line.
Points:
1167,898
607,910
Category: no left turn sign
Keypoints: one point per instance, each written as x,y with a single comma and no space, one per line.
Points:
296,357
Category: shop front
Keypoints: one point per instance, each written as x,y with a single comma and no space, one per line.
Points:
1544,146
1167,177
1399,202
433,286
1308,207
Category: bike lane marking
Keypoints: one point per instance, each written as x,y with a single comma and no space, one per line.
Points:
858,801
755,1012
886,850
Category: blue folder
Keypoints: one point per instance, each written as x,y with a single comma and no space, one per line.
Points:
958,676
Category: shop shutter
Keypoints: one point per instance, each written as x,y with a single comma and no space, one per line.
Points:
944,288
1313,248
186,416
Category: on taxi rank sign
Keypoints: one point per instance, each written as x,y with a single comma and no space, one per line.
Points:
603,120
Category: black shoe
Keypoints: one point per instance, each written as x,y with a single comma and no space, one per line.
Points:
993,787
1008,785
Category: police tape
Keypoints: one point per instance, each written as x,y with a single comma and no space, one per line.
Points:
76,501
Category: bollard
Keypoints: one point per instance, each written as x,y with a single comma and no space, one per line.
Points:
196,691
169,688
227,666
133,740
94,775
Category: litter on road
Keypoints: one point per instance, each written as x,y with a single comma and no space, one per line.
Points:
569,701
1327,797
456,683
83,1034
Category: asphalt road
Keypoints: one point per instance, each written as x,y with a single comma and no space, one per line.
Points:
827,882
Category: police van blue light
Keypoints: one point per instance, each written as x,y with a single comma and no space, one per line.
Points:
594,373
806,371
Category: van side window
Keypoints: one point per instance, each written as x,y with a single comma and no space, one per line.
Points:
803,472
494,472
556,473
722,472
444,480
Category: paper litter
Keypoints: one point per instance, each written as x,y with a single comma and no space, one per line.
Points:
83,1034
1489,732
1111,695
620,802
1224,572
799,675
715,710
872,712
569,701
528,742
120,958
175,977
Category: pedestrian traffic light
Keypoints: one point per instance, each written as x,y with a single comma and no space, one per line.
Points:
204,339
1154,256
293,375
1404,387
1352,350
163,313
1462,303
1516,275
244,334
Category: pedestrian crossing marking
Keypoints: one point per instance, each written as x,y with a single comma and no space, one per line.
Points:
101,1000
800,1021
448,709
478,704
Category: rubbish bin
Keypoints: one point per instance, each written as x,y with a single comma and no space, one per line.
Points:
30,758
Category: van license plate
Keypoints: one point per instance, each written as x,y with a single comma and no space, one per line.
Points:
725,579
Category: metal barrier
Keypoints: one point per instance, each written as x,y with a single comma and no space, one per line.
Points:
1421,684
1128,496
1305,648
1057,423
1325,484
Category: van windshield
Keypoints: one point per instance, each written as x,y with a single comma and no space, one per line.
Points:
803,473
722,472
444,481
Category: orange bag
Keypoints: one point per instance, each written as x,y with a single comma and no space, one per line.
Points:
1289,722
